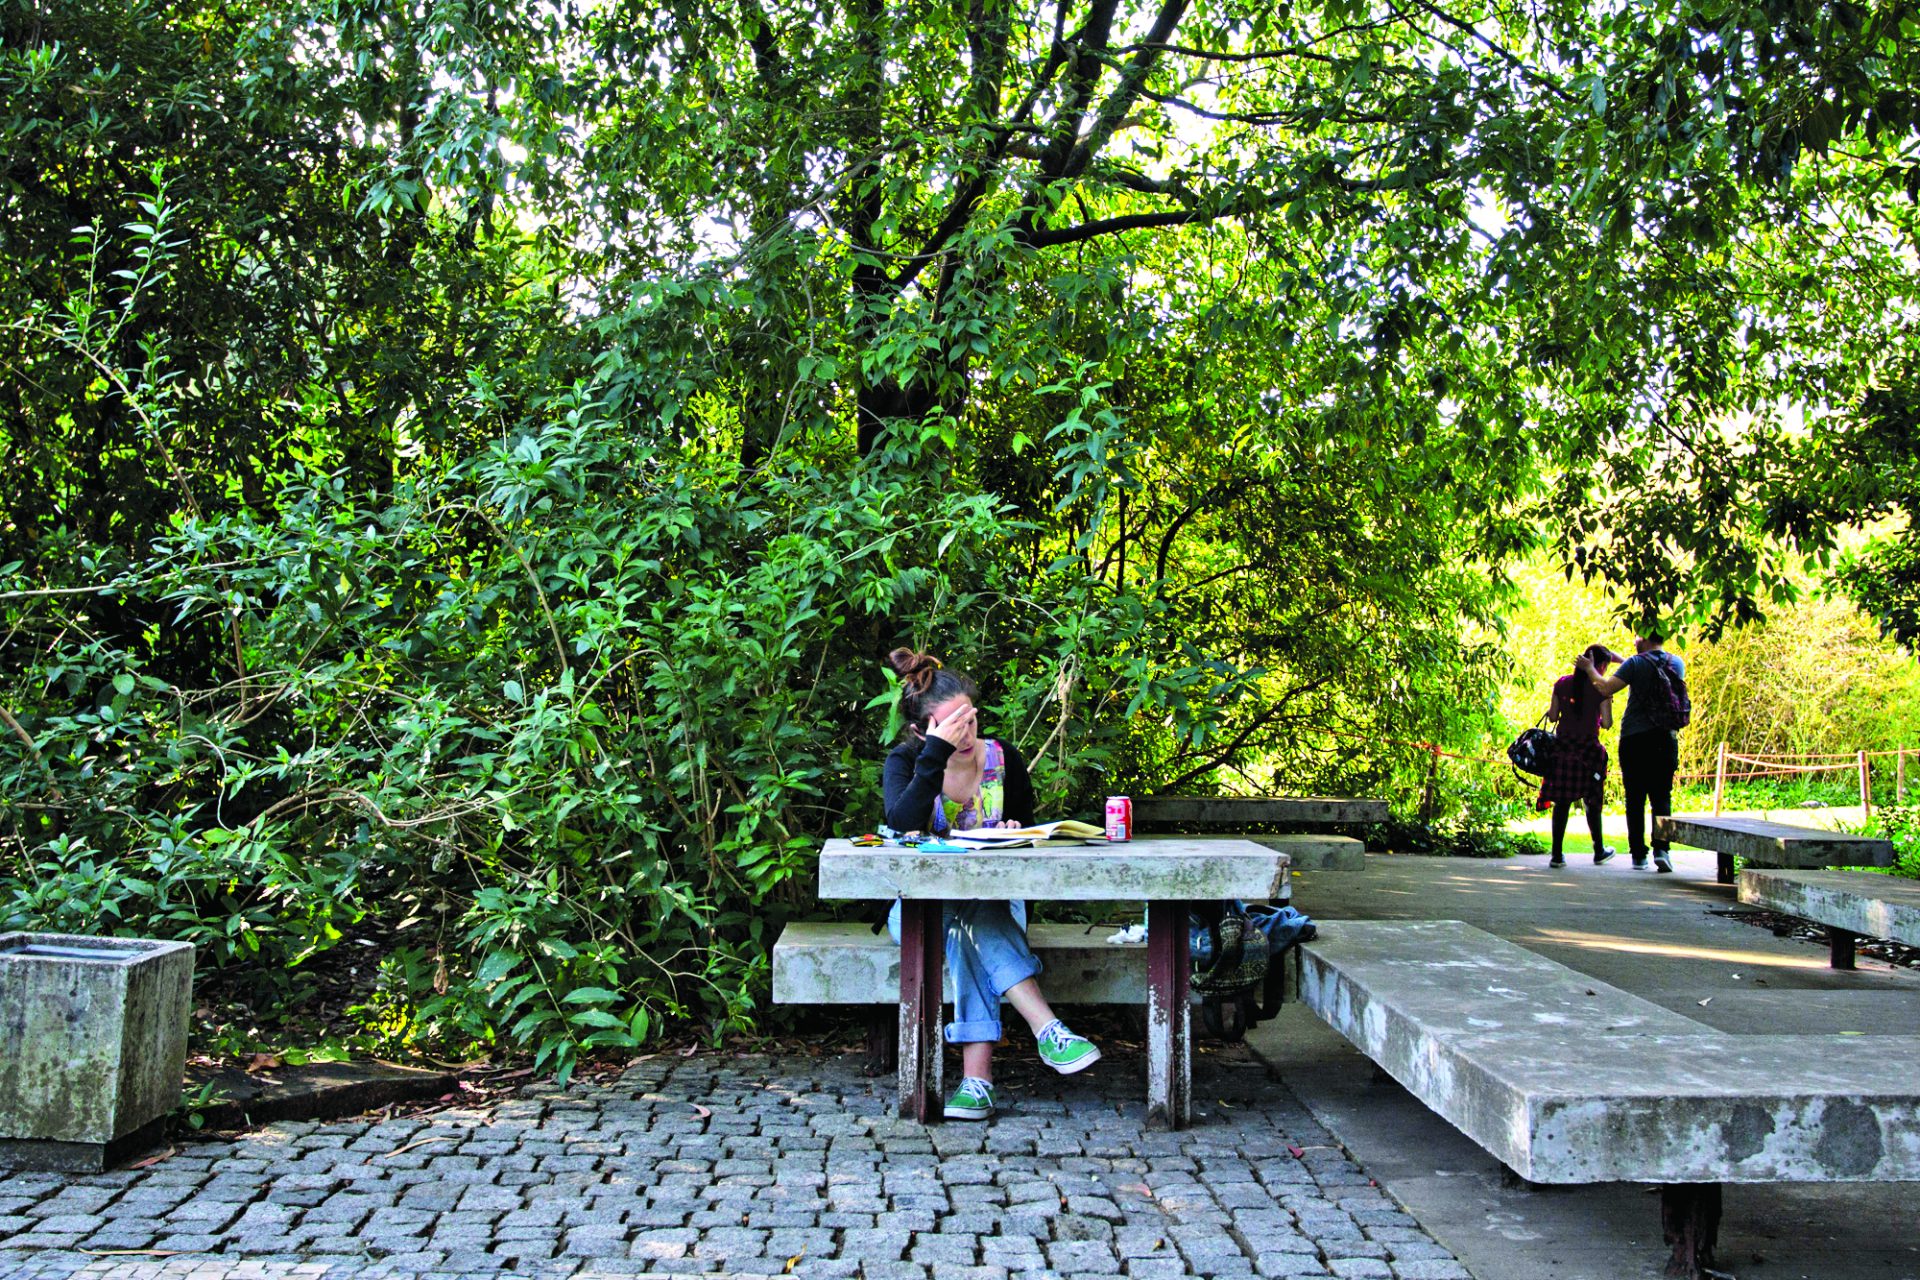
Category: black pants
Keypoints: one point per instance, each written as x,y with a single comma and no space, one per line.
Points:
1647,764
1563,809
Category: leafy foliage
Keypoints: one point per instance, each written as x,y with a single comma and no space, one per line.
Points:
471,456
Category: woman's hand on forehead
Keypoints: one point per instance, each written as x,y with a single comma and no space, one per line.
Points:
955,726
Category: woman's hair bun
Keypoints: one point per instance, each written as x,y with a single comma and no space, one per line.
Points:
916,670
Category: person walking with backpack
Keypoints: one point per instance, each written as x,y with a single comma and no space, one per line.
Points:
1657,709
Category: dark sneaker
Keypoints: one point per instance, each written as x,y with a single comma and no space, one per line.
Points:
1064,1051
1661,862
1603,855
1639,862
1558,860
973,1100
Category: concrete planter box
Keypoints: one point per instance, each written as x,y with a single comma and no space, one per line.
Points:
93,1044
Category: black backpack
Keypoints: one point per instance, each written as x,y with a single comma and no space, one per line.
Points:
1240,958
1671,707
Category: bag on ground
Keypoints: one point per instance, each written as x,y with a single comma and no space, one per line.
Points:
1239,957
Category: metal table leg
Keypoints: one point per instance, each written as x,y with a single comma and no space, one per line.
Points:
1169,1018
923,945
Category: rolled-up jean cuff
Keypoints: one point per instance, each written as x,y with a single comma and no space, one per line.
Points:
1005,977
973,1033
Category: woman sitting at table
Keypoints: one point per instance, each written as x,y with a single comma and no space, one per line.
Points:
942,778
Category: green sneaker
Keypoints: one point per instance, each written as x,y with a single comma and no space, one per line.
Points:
973,1100
1064,1051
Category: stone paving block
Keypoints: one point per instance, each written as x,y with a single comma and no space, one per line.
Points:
1360,1269
1082,1256
69,1224
182,1242
960,1250
892,1271
1431,1269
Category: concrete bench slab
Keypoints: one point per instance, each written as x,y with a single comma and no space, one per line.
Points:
1852,904
826,962
1220,812
1771,844
1448,1009
1306,852
1568,1080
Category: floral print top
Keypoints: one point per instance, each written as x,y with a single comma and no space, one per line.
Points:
988,807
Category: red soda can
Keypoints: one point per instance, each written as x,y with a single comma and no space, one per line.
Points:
1119,818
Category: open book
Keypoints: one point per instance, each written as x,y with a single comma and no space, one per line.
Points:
1064,832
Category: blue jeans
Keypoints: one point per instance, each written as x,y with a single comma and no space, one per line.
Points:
987,956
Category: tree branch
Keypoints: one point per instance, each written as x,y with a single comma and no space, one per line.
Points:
1038,239
1259,722
1132,79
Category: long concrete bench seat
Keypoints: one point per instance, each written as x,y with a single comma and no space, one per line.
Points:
1230,816
1851,904
823,962
1565,1079
1771,844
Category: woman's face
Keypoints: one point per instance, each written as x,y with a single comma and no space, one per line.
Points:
967,739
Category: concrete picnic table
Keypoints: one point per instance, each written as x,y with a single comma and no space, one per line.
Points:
1166,872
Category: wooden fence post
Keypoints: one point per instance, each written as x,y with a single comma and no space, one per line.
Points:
1719,776
1427,798
1866,787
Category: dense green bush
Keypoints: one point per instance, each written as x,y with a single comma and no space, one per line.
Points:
1900,824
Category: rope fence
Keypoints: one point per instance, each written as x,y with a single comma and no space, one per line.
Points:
1755,765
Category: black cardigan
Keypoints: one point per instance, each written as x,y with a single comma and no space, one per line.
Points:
915,771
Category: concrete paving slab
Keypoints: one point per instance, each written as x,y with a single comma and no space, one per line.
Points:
1657,937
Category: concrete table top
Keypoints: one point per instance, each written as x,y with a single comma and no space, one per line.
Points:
1147,868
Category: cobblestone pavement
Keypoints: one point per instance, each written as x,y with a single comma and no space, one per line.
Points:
747,1165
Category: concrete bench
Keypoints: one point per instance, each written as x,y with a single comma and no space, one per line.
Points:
822,962
1233,815
1771,844
1851,904
1565,1079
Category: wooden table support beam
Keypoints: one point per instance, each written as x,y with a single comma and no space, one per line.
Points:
1169,1018
923,946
